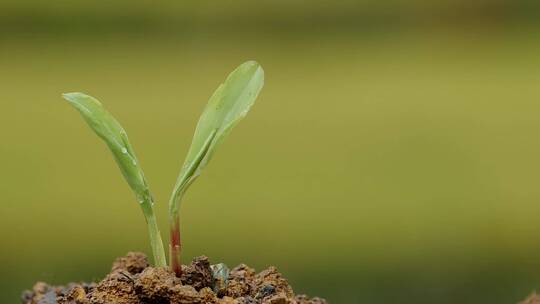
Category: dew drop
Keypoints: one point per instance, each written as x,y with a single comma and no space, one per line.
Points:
124,150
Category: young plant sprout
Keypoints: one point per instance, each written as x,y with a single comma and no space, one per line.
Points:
227,106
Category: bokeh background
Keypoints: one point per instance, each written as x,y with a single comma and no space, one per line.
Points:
393,156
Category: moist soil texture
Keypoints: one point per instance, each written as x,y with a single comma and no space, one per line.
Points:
133,281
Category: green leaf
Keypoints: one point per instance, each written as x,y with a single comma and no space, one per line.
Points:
108,129
227,106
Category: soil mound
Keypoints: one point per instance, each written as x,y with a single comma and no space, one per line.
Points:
534,298
133,281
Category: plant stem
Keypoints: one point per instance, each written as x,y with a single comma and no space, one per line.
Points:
155,236
175,248
175,244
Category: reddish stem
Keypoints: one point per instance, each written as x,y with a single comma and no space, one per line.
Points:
175,250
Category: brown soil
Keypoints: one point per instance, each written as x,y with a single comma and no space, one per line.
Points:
133,281
534,298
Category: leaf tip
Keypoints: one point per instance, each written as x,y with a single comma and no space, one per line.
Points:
252,64
254,68
78,98
70,96
73,97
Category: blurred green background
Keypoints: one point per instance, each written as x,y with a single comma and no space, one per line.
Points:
392,156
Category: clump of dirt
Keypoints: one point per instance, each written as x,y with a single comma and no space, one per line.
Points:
133,281
534,298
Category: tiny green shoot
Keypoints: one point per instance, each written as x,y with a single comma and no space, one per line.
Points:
227,106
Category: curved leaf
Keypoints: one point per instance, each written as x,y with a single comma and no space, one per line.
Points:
227,106
108,129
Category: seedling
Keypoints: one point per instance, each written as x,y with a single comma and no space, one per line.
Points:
227,106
